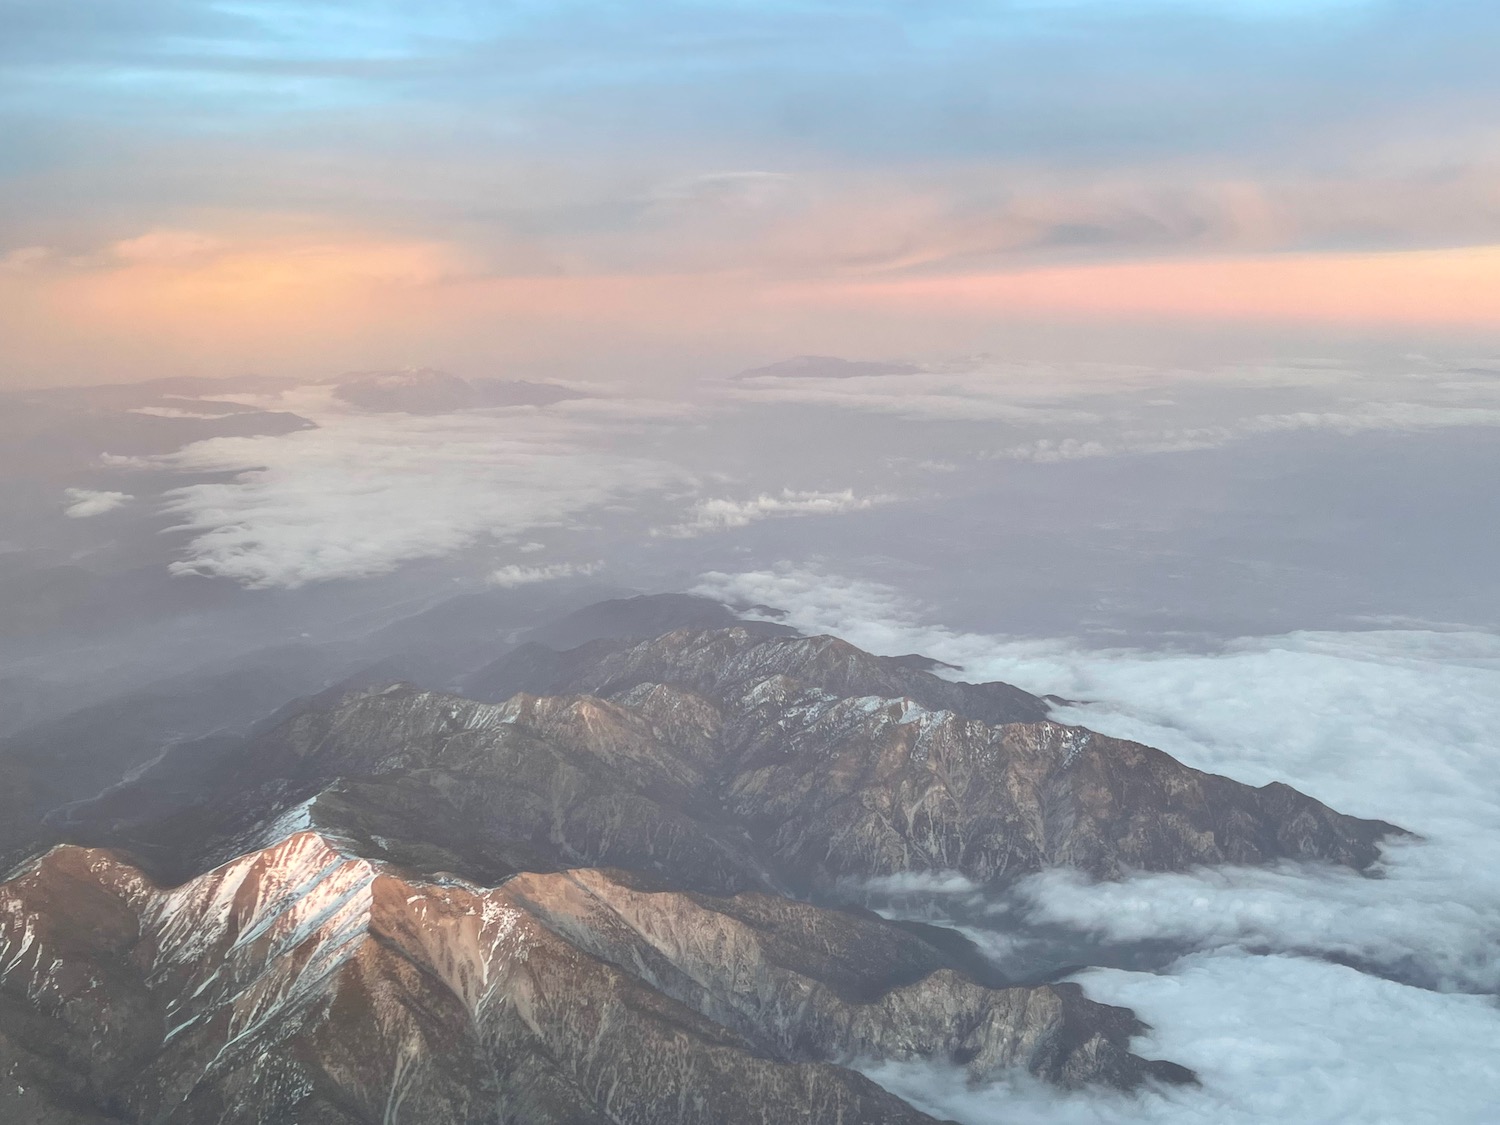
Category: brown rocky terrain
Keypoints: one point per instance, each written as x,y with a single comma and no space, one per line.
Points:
728,760
608,898
303,983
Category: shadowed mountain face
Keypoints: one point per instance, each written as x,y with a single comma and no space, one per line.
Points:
604,893
88,746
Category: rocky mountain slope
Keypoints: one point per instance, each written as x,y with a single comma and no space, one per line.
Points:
611,895
303,983
727,760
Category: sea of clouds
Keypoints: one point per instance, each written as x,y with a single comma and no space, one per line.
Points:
359,494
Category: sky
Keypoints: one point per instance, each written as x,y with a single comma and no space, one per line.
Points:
642,191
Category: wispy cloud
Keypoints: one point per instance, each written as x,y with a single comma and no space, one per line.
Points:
85,502
724,514
1072,411
1388,417
514,575
1002,393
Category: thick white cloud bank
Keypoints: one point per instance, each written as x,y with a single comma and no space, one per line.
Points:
363,493
1275,1040
1400,725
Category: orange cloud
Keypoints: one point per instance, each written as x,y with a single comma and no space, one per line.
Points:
170,301
183,302
167,274
179,302
1458,287
166,246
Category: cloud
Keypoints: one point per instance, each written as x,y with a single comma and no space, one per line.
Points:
722,514
1056,412
1052,394
874,616
749,190
1395,724
361,494
1391,724
1020,394
167,247
914,883
172,412
125,462
658,142
1388,417
85,502
1452,287
1278,1039
25,259
513,575
1376,416
1432,921
623,410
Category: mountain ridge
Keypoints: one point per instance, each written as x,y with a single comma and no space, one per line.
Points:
302,981
624,898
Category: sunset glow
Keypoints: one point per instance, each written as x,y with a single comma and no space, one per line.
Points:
210,188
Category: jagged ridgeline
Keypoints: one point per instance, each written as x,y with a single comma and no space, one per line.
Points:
606,881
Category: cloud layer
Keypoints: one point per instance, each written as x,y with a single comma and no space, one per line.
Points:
1279,1039
363,493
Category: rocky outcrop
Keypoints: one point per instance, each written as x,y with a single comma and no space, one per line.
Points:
876,787
301,982
725,663
803,981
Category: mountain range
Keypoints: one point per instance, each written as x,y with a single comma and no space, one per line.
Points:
613,873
